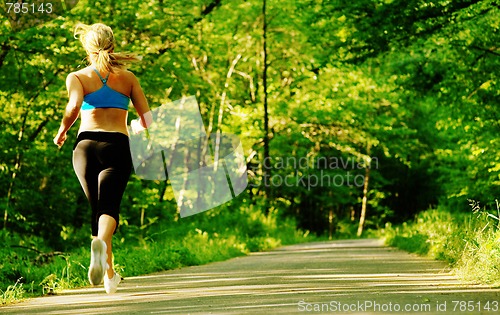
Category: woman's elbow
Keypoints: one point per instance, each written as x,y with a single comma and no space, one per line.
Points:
72,110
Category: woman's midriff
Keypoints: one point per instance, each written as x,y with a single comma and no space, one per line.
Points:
104,119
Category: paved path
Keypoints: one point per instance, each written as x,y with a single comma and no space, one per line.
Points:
338,277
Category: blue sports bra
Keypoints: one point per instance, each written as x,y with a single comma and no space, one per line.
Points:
105,97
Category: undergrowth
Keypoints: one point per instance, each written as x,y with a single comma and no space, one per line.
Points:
469,242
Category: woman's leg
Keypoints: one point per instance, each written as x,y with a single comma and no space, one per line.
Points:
103,168
87,170
113,179
107,226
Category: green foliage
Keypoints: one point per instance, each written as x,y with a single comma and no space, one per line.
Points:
469,242
405,82
435,240
13,293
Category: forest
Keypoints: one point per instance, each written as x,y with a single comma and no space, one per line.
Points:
352,114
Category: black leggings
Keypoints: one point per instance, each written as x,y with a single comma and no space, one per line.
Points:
103,165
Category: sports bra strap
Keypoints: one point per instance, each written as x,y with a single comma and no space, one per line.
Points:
100,77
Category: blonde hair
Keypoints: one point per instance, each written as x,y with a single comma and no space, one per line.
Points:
99,43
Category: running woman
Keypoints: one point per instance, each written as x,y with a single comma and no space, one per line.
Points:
100,95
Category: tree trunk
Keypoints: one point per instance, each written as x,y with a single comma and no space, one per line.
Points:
330,224
362,217
266,164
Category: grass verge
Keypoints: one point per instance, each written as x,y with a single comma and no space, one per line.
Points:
469,242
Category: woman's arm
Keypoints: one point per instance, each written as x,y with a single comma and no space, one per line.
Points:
75,93
141,105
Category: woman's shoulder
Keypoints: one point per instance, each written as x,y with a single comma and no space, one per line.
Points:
84,72
127,76
125,73
74,75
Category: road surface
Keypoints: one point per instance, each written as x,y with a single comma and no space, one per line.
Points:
335,277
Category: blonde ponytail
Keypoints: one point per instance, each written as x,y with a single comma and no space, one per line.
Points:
99,43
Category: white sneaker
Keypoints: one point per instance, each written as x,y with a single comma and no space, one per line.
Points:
98,265
111,285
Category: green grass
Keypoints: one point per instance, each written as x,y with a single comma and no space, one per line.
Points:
469,242
13,293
